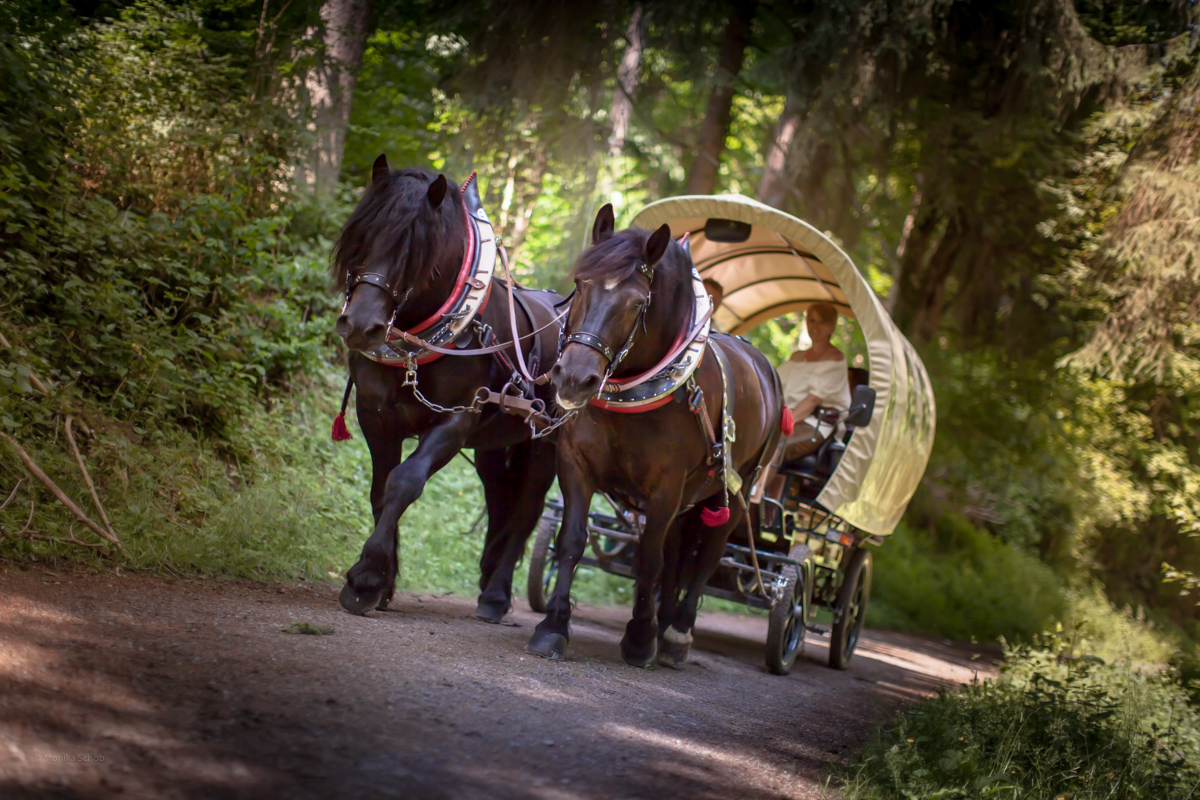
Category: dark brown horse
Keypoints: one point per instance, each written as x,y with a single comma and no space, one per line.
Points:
404,255
637,288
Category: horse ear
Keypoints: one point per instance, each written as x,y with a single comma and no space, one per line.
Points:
656,246
437,191
380,169
606,223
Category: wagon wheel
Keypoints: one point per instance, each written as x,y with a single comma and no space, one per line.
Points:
789,614
543,565
851,608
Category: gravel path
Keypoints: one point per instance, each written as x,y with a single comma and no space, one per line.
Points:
189,689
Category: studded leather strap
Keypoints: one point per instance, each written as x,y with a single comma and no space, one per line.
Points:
594,342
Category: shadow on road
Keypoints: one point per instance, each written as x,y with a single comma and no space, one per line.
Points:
138,687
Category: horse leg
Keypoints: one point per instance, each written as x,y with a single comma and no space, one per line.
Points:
499,492
369,579
675,554
640,642
677,638
550,637
535,460
385,440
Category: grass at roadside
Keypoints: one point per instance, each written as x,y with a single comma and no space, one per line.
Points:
968,584
278,502
1054,725
972,586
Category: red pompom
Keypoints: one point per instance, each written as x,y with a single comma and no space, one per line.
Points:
714,518
340,432
787,423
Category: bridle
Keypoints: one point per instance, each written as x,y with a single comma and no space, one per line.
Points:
599,345
379,282
373,278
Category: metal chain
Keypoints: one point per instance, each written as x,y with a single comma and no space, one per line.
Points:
410,379
551,427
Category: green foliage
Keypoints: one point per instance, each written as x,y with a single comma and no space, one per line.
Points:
154,271
291,506
396,104
159,280
965,585
1053,726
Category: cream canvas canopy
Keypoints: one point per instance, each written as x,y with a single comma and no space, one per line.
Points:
783,264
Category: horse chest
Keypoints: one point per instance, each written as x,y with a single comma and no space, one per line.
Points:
639,453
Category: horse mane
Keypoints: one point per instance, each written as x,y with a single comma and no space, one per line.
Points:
394,230
614,258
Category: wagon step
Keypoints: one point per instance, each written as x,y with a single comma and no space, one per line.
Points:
817,629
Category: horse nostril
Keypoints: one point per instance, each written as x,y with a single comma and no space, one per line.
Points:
590,384
556,374
343,326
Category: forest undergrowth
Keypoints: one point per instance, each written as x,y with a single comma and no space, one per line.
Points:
1059,722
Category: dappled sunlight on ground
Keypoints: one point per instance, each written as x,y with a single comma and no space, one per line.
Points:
189,689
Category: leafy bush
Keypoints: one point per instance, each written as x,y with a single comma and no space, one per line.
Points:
173,296
969,584
154,269
1050,727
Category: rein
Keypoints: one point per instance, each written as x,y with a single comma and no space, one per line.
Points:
681,344
476,351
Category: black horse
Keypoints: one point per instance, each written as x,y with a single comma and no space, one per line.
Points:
639,288
408,256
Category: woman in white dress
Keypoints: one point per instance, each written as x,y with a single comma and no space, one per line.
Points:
814,377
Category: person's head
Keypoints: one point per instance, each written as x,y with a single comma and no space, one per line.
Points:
716,291
821,320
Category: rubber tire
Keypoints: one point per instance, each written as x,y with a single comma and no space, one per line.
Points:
843,639
539,559
782,652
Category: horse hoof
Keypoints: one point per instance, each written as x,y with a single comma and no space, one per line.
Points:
492,613
638,657
673,654
357,603
547,645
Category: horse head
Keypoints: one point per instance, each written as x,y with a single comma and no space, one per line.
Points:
619,291
403,241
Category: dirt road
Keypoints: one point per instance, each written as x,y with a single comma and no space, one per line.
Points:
136,687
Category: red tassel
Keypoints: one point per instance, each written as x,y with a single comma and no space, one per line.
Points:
340,432
787,423
714,518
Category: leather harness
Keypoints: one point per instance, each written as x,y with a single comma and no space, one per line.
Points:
451,328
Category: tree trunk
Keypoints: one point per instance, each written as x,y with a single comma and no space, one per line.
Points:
627,78
898,262
775,184
330,87
703,176
621,111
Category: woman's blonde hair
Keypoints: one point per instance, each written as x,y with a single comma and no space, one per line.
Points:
822,312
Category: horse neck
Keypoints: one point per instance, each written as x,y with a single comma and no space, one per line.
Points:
670,311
